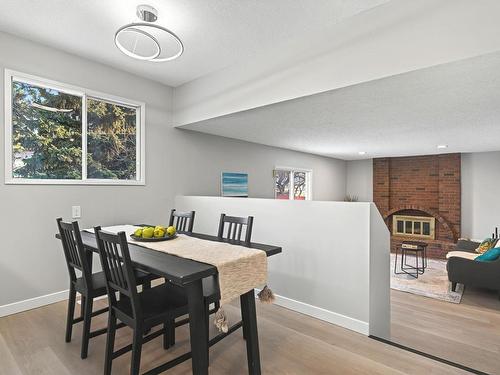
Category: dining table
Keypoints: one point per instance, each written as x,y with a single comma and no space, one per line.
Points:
189,274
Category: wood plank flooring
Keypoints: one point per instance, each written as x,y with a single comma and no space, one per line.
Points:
32,342
467,333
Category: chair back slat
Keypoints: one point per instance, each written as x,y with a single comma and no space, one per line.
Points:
183,221
235,228
118,268
74,251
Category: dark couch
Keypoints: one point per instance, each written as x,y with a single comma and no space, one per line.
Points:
473,273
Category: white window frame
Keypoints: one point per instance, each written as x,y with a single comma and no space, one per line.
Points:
291,170
11,75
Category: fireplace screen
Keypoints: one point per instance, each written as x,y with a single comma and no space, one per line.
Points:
413,226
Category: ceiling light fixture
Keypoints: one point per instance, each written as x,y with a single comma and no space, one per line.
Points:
362,153
442,146
146,40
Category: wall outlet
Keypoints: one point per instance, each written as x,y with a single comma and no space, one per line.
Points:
76,212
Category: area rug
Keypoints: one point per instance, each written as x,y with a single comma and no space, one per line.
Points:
433,283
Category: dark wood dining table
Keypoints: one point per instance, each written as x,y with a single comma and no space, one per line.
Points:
189,274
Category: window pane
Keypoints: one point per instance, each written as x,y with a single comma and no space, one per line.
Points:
426,229
400,226
111,141
408,225
282,184
300,185
46,133
416,227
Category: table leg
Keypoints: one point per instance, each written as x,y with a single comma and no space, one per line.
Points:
197,328
249,316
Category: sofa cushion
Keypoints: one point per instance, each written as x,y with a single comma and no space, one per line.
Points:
462,254
487,244
489,256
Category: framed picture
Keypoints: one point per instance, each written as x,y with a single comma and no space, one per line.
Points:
234,184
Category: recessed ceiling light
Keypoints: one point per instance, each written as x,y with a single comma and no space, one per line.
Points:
146,40
362,153
442,146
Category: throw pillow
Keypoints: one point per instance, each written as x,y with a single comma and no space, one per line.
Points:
490,255
487,244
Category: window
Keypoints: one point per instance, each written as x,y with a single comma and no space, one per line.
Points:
414,226
58,134
292,183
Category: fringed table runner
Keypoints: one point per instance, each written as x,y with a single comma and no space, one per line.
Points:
240,268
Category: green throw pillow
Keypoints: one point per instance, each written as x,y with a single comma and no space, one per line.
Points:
489,256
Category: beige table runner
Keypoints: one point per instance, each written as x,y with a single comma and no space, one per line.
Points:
240,268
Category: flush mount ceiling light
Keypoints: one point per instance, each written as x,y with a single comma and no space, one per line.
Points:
362,153
146,40
442,146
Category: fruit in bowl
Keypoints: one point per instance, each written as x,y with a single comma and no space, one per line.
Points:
155,232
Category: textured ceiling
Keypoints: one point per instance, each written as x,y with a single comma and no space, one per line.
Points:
216,33
457,104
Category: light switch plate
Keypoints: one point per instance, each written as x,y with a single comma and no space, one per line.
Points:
76,212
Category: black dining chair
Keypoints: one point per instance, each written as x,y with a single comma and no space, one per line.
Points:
235,227
211,292
89,285
140,311
183,221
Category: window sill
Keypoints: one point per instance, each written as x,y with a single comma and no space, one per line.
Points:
73,182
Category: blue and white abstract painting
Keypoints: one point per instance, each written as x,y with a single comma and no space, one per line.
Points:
234,184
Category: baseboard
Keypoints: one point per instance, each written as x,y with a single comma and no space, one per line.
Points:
33,303
323,314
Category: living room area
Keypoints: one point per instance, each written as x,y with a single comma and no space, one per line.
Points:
445,266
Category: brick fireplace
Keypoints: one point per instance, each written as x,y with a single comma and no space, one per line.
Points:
421,186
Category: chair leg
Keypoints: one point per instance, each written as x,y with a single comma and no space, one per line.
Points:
207,323
71,312
145,286
110,344
82,306
454,286
86,326
136,351
169,335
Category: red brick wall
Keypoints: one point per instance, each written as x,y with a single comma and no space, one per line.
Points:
426,184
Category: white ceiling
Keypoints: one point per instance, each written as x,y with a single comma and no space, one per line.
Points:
216,33
457,104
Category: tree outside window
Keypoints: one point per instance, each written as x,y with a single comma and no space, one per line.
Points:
66,135
292,184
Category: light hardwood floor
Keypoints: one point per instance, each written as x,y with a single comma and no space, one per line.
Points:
33,343
467,333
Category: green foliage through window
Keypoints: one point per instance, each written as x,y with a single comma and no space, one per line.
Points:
46,133
47,136
111,138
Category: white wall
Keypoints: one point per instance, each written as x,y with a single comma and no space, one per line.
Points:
177,162
360,179
335,259
480,194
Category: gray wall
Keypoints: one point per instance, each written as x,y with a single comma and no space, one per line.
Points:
480,194
177,162
360,179
207,156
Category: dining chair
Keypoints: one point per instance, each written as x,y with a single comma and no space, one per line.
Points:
140,311
211,292
89,285
235,227
183,221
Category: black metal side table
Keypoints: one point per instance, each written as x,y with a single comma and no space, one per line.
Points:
416,247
